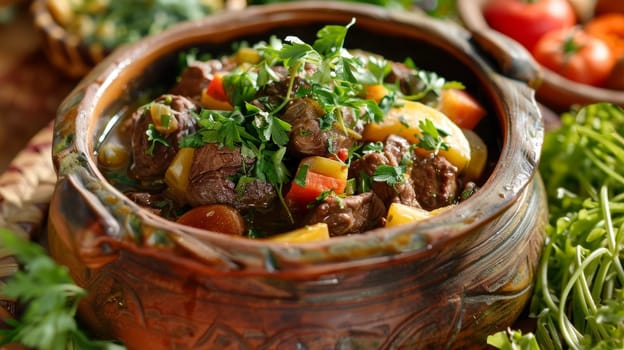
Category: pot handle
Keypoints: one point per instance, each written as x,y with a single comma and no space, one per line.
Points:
511,58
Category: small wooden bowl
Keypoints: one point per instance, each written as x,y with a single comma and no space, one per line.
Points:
554,91
447,282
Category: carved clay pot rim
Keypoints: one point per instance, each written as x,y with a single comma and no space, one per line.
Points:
521,140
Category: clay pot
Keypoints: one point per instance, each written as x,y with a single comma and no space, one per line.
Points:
554,91
447,282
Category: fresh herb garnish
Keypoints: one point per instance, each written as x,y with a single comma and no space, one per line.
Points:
50,299
431,137
327,194
222,127
392,175
373,147
302,175
154,137
335,84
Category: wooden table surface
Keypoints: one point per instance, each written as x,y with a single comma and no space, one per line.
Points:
30,88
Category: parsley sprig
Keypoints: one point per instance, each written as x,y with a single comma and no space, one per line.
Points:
392,175
50,298
154,137
431,138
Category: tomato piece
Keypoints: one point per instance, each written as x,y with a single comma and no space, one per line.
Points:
215,217
461,108
575,55
215,88
527,21
315,184
343,154
610,28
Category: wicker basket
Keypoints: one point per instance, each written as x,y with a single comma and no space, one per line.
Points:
67,51
25,192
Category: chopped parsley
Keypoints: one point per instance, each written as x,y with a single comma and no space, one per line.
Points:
154,137
302,175
431,138
373,147
328,194
392,175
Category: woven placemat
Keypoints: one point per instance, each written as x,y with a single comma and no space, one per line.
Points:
25,191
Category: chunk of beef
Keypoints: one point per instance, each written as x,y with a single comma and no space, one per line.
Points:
210,180
435,182
307,138
151,163
351,214
151,201
394,149
196,77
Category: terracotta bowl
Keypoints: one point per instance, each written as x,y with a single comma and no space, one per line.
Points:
447,282
554,91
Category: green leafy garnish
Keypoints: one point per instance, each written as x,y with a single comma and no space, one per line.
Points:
431,138
372,147
513,340
154,137
327,194
302,175
392,175
50,299
336,84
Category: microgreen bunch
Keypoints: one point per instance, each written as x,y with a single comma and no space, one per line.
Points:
578,300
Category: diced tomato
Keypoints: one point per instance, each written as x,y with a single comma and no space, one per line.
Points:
343,154
315,184
216,89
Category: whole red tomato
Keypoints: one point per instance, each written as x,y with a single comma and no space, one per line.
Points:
527,20
575,55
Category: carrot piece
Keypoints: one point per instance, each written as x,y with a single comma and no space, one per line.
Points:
461,108
215,217
315,184
209,102
375,92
